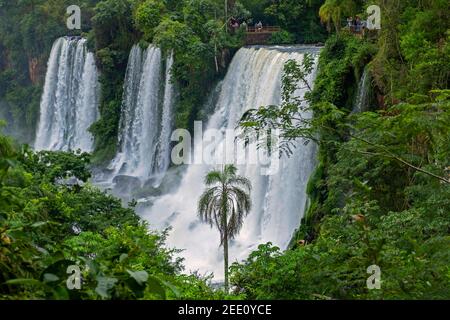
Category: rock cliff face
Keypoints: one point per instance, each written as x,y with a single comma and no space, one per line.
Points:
35,70
3,57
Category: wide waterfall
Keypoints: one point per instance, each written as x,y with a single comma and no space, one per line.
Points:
146,119
279,199
69,104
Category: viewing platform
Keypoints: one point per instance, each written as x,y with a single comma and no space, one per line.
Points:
261,35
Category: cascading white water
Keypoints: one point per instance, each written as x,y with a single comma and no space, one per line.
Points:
69,103
162,151
129,100
362,94
253,80
86,110
145,128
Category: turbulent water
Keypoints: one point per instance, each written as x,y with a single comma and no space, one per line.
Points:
146,119
69,103
279,200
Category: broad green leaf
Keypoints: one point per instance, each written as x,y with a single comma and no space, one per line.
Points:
140,276
155,287
104,284
50,277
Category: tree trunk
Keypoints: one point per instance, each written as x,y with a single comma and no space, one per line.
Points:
225,234
225,257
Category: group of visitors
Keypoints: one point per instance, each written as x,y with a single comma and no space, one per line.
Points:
356,25
235,25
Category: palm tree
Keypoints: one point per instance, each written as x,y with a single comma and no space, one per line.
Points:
225,204
332,11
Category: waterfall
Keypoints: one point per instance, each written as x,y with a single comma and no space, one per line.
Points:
163,151
69,103
361,103
147,116
140,142
279,200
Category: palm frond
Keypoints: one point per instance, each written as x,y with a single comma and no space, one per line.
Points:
241,206
207,205
241,181
213,177
229,170
226,204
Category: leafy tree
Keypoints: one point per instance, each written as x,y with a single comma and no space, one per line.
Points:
148,16
57,165
48,224
384,212
224,205
257,8
332,12
381,187
300,18
414,50
282,37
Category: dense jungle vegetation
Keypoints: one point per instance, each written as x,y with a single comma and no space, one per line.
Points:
380,194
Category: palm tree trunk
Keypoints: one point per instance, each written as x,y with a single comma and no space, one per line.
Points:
225,257
225,234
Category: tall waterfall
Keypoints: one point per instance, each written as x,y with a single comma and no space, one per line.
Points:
253,80
163,151
362,95
146,119
69,103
